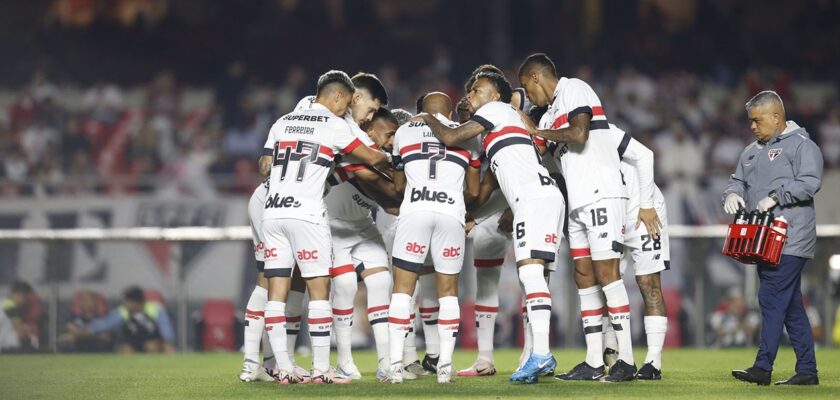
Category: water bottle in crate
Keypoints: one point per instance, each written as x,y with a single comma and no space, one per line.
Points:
756,238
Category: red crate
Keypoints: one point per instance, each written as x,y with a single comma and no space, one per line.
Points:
753,244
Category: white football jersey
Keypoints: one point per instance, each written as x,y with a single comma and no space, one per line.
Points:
303,145
346,200
636,171
434,172
512,155
592,170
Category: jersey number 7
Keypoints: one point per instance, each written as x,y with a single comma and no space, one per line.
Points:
437,152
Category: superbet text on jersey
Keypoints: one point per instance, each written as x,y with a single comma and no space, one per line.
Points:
303,145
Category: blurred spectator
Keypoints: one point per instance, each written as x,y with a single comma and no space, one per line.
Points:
85,307
35,140
294,89
103,103
23,112
22,311
163,96
829,136
143,326
229,90
733,324
682,165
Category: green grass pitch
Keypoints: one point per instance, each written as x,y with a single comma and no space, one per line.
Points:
698,373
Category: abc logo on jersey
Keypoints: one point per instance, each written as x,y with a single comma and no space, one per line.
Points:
415,248
307,255
425,194
270,253
281,202
452,252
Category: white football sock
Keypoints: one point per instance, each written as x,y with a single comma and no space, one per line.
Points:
538,302
344,293
398,325
275,325
294,309
655,327
254,323
591,314
486,308
448,325
610,341
410,347
378,296
320,326
429,310
618,307
268,353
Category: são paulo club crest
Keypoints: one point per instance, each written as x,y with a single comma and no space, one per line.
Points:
773,153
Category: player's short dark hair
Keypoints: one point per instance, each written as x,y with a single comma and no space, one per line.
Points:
21,287
537,62
135,294
500,82
335,77
386,115
481,68
419,104
373,85
402,116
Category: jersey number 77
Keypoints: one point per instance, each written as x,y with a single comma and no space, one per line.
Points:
303,152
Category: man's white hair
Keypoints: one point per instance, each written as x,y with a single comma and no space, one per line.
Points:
764,98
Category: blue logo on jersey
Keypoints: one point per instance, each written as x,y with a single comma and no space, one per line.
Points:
425,194
281,202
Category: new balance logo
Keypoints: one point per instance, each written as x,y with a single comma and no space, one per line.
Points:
307,255
603,235
415,248
281,202
452,252
425,194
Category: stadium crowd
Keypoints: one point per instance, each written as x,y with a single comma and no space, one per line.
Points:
166,137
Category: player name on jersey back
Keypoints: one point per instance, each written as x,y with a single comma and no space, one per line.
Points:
303,145
434,172
591,170
512,155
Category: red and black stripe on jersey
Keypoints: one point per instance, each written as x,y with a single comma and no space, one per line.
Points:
429,150
493,142
598,118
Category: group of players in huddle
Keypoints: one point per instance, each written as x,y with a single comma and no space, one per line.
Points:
354,188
